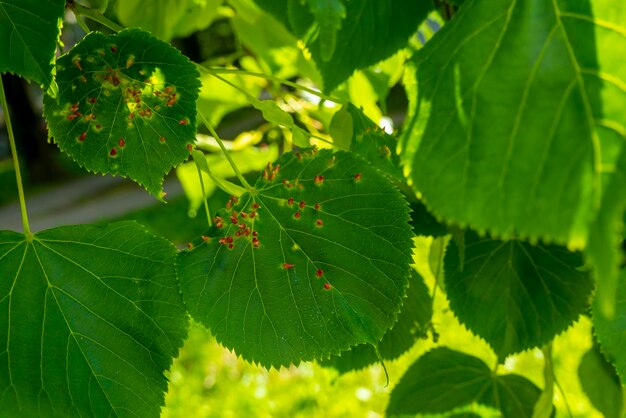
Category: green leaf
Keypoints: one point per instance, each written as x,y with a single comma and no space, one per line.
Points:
90,319
514,294
424,223
371,31
217,98
443,379
29,30
126,106
517,109
273,113
611,332
166,19
342,128
328,14
601,384
271,43
607,232
374,145
412,324
313,261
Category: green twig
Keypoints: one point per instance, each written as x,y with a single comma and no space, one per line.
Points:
214,70
204,196
16,163
94,15
83,25
241,178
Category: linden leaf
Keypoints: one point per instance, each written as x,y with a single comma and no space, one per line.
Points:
442,380
328,14
374,144
366,32
126,105
29,30
611,332
601,384
166,19
90,319
514,294
313,261
412,324
517,108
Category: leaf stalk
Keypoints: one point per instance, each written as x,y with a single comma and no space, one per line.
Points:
241,178
16,163
95,16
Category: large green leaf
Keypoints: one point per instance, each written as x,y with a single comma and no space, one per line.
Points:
29,30
167,19
371,31
313,261
601,384
442,380
90,318
514,294
127,105
411,326
517,109
611,332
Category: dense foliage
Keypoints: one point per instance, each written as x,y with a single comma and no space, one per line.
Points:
510,164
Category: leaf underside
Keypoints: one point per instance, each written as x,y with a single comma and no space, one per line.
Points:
29,31
517,109
513,294
320,265
90,318
127,106
442,380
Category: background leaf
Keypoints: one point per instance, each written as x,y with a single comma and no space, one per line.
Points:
601,383
605,240
320,265
412,325
167,19
29,30
513,294
443,379
328,14
518,100
371,31
90,318
127,105
611,332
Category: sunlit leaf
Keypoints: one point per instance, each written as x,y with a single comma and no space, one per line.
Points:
167,19
313,261
371,31
29,30
607,232
517,109
442,380
126,106
514,294
90,319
